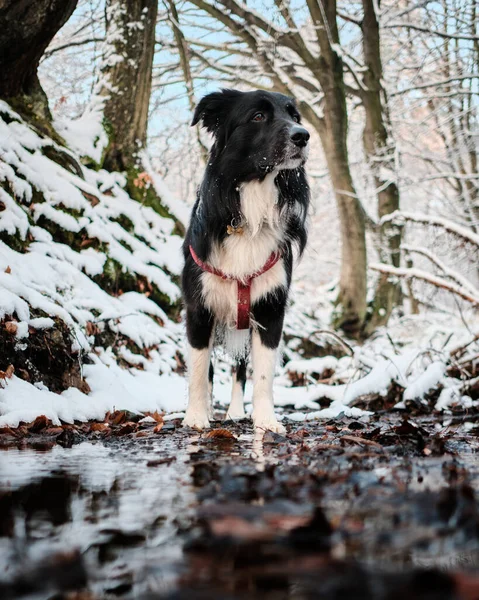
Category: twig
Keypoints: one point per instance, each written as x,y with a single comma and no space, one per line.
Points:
336,337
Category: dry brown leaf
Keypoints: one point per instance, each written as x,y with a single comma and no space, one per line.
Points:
158,427
99,427
220,433
8,373
53,431
92,328
117,417
7,431
155,415
3,206
126,428
91,198
40,423
11,327
8,270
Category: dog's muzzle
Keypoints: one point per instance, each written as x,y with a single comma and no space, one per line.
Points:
299,136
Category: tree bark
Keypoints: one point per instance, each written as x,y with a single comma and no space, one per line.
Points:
126,79
379,149
26,29
351,311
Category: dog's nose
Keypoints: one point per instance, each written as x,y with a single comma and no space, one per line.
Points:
299,136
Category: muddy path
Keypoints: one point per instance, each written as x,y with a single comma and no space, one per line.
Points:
385,507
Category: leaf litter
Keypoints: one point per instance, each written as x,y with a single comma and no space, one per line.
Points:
385,506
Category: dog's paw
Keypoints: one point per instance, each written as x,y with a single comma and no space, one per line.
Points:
196,420
269,424
235,413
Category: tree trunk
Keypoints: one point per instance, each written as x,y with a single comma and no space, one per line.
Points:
26,29
379,149
351,310
126,79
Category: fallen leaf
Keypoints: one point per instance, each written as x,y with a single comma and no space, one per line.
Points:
40,423
53,431
155,415
99,427
8,270
3,206
11,327
91,328
220,433
127,428
158,427
117,417
8,373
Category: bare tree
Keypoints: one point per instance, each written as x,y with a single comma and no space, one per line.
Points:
380,151
126,80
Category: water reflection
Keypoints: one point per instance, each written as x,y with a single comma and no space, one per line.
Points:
99,510
187,516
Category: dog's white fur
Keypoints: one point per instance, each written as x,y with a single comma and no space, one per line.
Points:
241,255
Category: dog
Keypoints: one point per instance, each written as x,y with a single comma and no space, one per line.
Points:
250,213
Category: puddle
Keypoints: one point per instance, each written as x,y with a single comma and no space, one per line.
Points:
341,510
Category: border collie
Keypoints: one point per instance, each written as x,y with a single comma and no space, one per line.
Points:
250,212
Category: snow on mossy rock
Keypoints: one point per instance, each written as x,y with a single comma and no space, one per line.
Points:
86,273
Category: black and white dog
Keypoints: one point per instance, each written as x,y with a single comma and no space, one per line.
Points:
249,214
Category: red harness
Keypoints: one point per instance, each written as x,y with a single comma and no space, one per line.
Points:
244,285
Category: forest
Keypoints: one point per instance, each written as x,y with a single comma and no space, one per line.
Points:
373,490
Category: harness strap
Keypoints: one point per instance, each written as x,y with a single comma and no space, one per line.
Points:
244,285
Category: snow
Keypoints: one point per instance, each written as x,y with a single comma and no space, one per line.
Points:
47,281
425,382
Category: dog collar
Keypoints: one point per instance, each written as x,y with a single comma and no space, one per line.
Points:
244,285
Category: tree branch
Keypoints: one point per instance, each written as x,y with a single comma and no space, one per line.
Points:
427,278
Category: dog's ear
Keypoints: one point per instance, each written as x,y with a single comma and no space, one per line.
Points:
213,108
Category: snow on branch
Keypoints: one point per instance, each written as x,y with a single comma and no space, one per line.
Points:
398,217
447,271
434,280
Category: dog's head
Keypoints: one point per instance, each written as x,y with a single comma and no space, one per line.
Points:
255,132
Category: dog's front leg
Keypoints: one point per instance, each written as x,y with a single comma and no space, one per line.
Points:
268,313
264,352
199,326
264,364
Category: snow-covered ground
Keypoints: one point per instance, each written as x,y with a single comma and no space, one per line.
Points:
43,280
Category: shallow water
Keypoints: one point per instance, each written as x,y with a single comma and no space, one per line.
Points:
180,515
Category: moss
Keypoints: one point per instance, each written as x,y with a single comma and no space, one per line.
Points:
34,109
125,222
77,241
60,235
15,242
143,192
115,281
70,211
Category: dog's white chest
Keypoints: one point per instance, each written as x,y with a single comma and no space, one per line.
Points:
240,255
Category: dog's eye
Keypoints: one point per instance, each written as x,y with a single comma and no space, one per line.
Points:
258,117
296,118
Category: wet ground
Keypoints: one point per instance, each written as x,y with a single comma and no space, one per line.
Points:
384,508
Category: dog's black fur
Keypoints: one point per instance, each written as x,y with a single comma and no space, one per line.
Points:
243,150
